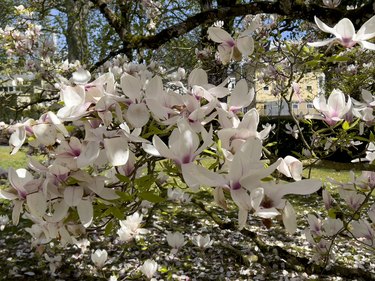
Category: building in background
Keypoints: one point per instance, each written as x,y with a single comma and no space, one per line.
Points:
270,103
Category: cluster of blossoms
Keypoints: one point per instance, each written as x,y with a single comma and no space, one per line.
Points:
351,221
103,145
98,141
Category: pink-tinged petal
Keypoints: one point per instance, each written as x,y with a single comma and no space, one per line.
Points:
73,96
89,153
242,218
17,138
367,30
150,149
256,197
283,168
198,77
85,212
154,88
322,26
219,35
57,122
117,150
60,212
196,176
327,199
367,45
250,120
219,197
344,29
37,204
225,53
162,148
241,96
18,178
131,87
73,195
219,92
241,198
267,213
289,218
45,134
137,115
17,210
245,45
252,180
81,76
108,194
207,140
303,187
321,43
65,237
8,194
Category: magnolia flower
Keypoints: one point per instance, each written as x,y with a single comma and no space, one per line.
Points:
291,167
230,48
246,165
149,268
334,109
54,262
331,3
3,222
178,195
232,139
345,34
99,257
267,200
292,131
130,228
176,241
183,145
202,241
362,229
332,226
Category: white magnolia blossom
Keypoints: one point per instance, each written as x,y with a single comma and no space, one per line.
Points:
345,34
3,221
176,240
99,257
333,109
149,268
331,3
202,242
231,48
130,228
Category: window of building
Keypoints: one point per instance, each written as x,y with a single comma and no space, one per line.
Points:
310,105
266,88
309,88
295,105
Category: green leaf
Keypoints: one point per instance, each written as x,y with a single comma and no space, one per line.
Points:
126,197
163,269
108,228
123,178
346,125
151,197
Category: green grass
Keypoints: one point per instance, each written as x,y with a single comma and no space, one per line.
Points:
18,160
325,170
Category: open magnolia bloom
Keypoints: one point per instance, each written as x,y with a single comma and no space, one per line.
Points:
267,200
230,48
183,145
345,34
332,110
232,139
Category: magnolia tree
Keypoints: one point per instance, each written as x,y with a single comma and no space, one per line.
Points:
132,134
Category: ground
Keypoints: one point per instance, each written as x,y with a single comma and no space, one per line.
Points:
255,253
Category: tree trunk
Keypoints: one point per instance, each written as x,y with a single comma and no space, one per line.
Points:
76,33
